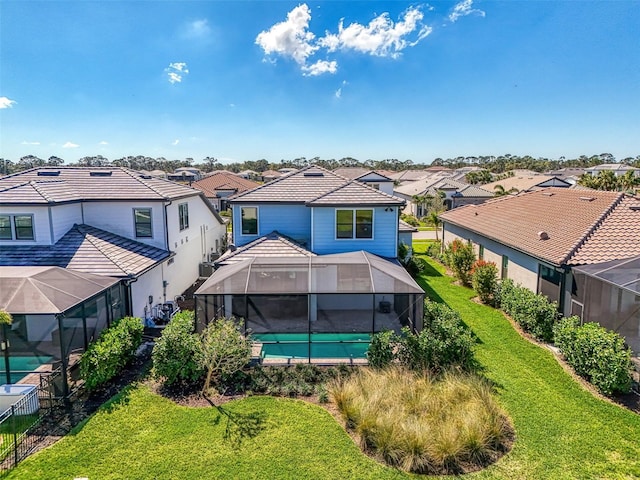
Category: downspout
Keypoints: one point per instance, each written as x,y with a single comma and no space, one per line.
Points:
50,225
166,226
129,304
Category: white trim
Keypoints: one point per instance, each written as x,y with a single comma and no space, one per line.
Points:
135,231
353,238
257,221
14,229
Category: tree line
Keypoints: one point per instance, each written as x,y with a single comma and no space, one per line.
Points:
493,164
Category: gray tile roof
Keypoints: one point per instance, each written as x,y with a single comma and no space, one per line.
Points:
65,184
90,250
315,186
272,245
473,191
355,193
404,227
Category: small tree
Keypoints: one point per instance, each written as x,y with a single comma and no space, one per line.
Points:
5,318
484,279
224,350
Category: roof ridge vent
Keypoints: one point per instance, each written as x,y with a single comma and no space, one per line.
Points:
548,194
48,173
588,199
100,173
313,174
635,208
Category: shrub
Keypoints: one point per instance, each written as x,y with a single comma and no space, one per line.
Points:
415,266
595,353
225,350
421,425
444,343
460,257
111,352
5,317
434,250
484,279
533,312
410,219
301,379
177,354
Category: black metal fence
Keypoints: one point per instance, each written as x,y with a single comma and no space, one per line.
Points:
20,424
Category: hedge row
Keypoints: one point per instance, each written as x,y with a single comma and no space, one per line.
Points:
595,353
114,349
533,312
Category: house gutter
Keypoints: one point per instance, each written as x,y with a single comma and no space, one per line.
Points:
166,226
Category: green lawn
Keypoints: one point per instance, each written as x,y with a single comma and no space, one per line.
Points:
563,432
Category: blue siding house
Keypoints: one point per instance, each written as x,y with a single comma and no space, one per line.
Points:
313,269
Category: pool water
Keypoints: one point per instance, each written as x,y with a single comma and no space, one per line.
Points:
21,367
315,345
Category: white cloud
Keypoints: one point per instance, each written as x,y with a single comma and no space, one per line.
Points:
175,71
290,38
70,145
175,142
339,91
198,29
6,102
320,67
382,37
30,143
103,143
464,8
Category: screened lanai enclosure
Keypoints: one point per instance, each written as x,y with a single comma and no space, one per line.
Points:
56,314
609,294
320,309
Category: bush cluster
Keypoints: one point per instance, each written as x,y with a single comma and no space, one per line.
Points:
434,250
533,312
484,280
459,256
177,354
410,219
299,380
444,342
595,353
114,349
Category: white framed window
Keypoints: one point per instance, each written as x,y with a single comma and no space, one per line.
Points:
354,223
142,222
16,227
249,220
183,215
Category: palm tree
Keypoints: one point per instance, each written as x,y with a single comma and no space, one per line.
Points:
629,181
500,191
433,218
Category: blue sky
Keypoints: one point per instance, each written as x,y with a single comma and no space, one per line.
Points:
279,80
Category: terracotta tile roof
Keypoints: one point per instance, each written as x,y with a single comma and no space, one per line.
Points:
64,184
617,237
271,174
355,193
315,185
223,181
90,250
568,217
272,245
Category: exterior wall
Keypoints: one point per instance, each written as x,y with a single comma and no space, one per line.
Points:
192,245
41,224
291,220
148,284
63,217
522,268
383,243
117,217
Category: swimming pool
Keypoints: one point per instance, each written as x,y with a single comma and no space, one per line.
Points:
20,367
314,345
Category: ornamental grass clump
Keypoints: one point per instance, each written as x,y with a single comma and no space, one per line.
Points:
423,425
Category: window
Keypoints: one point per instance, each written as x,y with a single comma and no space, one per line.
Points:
354,223
505,266
376,186
249,220
16,227
183,215
142,221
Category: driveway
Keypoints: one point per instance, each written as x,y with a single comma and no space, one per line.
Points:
428,235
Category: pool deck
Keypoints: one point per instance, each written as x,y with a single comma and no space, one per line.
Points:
257,357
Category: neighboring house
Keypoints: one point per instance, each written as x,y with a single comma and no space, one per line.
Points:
269,175
249,175
314,270
185,175
569,175
525,183
542,239
454,194
150,233
407,176
373,178
222,185
618,168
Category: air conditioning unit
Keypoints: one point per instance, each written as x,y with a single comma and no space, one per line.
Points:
206,269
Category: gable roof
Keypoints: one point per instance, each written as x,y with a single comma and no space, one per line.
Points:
272,245
525,183
581,227
90,250
223,181
473,191
315,186
355,173
429,185
404,227
47,290
67,184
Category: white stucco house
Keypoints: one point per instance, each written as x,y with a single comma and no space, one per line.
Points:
150,233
